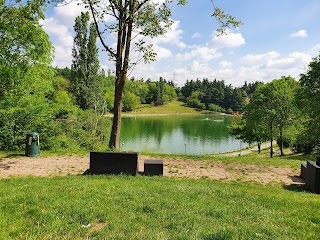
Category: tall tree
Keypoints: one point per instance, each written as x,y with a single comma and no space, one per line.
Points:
309,99
135,19
85,82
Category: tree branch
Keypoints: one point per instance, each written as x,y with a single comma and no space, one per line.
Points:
99,34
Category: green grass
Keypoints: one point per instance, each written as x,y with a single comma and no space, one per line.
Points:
174,107
263,159
123,207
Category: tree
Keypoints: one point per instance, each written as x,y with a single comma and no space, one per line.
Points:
135,19
25,75
85,81
308,100
271,110
23,41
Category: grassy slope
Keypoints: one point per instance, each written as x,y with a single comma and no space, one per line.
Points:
174,107
99,207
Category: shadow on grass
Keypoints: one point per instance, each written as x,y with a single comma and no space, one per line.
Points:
298,185
296,188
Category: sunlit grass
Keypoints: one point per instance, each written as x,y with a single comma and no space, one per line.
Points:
121,207
174,107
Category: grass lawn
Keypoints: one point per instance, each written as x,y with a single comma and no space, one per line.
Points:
174,107
125,207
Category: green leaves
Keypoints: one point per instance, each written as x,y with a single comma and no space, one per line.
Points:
224,20
272,110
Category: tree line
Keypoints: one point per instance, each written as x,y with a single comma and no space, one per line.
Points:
216,95
285,110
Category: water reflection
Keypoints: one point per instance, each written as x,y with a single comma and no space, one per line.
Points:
178,134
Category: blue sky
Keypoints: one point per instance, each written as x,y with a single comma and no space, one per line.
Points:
277,38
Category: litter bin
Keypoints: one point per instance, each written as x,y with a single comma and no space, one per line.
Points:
32,145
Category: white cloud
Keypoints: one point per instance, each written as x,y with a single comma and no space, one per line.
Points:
294,60
259,58
62,57
68,11
196,35
201,54
230,40
197,67
55,29
162,52
314,51
225,64
300,33
172,36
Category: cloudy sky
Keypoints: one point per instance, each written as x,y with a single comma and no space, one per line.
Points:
278,38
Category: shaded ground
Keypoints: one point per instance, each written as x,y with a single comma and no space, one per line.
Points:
64,165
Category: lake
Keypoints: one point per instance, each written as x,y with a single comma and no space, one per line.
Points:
199,134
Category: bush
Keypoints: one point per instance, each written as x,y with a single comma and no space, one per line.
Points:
229,111
285,141
130,101
215,108
303,145
195,103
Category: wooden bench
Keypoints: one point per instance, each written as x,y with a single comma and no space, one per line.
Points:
311,174
113,163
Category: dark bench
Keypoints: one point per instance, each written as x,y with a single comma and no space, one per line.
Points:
303,172
113,163
313,177
311,174
153,168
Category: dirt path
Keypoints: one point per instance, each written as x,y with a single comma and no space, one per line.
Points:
249,150
73,165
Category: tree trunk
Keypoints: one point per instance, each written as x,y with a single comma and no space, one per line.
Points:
123,46
259,147
281,143
114,142
271,140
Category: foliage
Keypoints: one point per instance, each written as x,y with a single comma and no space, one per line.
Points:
194,101
25,78
85,82
308,99
271,114
215,108
75,128
250,88
214,92
130,101
31,98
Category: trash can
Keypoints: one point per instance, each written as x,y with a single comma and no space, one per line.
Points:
32,145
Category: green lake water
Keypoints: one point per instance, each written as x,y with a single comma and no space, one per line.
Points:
204,134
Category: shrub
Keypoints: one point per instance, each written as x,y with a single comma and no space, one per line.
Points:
215,108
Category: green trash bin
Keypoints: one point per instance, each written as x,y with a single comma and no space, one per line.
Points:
32,145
